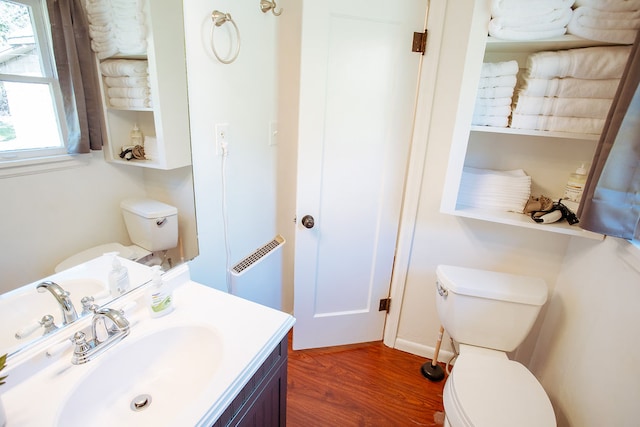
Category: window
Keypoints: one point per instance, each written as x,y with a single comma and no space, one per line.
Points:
32,121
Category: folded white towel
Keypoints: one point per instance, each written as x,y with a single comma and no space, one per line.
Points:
571,88
124,67
128,92
493,121
601,62
611,27
487,110
493,102
127,81
557,123
524,34
497,81
611,5
130,102
557,19
527,7
495,92
564,107
494,190
496,69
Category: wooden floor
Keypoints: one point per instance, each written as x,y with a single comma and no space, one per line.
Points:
360,385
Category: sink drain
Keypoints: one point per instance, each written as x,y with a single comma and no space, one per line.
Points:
140,402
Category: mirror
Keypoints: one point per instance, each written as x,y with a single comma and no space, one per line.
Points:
53,211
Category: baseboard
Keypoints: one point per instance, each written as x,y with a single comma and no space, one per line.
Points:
422,350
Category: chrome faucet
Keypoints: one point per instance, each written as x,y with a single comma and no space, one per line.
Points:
68,310
108,327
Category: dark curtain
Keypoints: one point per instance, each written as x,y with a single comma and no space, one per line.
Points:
77,75
611,199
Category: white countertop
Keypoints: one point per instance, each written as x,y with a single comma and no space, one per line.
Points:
248,333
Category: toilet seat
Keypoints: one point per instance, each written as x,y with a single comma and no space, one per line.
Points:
133,252
486,391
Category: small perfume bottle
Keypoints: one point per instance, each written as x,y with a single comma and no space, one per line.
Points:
136,136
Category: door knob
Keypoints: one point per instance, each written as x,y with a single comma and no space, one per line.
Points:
308,221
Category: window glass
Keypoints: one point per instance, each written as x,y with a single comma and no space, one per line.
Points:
31,123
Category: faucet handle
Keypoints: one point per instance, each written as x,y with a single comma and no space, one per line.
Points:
82,348
88,305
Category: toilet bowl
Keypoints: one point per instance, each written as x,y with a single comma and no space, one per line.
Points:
489,314
132,252
152,227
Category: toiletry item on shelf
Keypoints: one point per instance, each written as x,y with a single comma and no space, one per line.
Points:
136,136
118,276
575,185
159,296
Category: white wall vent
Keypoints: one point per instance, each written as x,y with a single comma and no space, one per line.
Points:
257,256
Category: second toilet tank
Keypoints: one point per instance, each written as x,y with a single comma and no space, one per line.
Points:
151,224
486,308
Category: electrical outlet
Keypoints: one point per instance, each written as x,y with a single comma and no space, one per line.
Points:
222,138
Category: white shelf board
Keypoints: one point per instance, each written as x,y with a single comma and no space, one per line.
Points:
555,43
543,133
522,220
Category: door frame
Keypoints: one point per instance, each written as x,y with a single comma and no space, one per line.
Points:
416,166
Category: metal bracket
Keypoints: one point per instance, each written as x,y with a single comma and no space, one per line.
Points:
385,304
419,42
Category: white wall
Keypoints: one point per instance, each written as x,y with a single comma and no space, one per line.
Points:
588,354
242,94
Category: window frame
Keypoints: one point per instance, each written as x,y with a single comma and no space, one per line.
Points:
28,161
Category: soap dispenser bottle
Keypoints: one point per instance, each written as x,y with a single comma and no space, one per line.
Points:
136,136
159,295
575,185
118,276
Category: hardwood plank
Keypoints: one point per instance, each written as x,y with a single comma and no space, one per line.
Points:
360,385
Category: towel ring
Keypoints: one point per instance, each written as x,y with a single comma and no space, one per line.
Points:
219,19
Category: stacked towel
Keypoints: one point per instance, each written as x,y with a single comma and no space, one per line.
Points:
570,90
612,21
493,99
505,191
127,83
116,27
529,20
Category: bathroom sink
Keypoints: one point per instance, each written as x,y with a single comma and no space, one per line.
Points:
147,381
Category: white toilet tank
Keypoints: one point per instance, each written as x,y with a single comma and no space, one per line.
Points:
151,224
488,309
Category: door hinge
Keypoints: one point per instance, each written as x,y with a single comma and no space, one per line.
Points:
419,42
385,304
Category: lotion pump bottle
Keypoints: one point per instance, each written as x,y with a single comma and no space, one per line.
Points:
136,136
159,295
118,277
575,185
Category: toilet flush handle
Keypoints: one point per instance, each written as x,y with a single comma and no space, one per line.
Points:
441,290
160,222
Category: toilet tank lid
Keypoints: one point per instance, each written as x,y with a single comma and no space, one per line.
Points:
493,285
148,208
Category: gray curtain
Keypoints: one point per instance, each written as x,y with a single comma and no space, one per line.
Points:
611,199
77,75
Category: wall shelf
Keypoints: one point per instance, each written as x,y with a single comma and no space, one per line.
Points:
522,220
544,134
548,157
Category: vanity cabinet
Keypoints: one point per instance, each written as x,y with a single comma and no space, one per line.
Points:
548,157
263,400
168,119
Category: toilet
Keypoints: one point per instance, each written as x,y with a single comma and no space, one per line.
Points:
489,314
152,227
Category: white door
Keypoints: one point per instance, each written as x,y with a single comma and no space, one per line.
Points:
358,87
